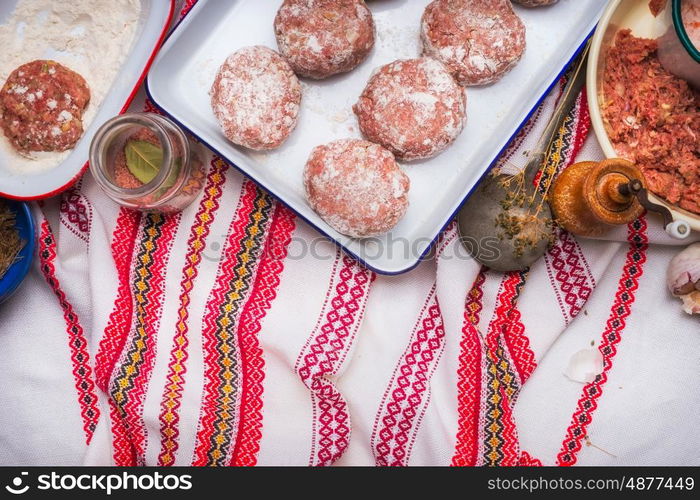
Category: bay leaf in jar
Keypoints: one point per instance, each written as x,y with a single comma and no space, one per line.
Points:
143,160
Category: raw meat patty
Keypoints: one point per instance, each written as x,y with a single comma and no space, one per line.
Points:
412,107
478,40
356,187
42,106
320,38
256,98
535,3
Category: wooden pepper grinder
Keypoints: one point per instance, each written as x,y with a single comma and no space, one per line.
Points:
588,197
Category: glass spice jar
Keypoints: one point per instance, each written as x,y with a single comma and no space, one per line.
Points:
146,162
679,47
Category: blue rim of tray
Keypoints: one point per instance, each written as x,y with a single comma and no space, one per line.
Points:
319,229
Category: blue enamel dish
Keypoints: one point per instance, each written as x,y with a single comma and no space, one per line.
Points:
14,276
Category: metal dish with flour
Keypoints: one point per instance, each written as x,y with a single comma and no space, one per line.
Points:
110,43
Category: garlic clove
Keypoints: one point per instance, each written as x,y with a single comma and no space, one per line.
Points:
691,303
585,366
683,274
684,289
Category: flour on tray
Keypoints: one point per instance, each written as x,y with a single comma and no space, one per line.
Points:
91,37
398,42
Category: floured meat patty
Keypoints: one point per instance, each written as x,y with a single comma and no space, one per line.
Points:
42,105
356,187
653,119
412,107
535,3
321,38
478,40
256,98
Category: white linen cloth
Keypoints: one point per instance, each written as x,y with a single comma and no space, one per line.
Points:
326,362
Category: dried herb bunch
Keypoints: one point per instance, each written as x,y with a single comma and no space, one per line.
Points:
10,242
512,206
524,218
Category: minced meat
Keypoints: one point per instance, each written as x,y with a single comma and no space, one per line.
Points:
653,118
656,6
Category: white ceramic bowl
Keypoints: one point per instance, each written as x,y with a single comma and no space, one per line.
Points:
621,14
153,25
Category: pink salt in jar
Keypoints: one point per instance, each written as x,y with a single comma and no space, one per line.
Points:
146,162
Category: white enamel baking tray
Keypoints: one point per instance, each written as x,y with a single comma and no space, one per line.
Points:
185,68
156,16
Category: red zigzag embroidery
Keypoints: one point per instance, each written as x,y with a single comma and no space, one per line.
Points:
325,352
469,376
406,396
112,343
569,275
612,335
77,343
132,377
264,293
172,393
223,353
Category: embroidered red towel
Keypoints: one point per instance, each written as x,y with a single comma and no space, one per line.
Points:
232,334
